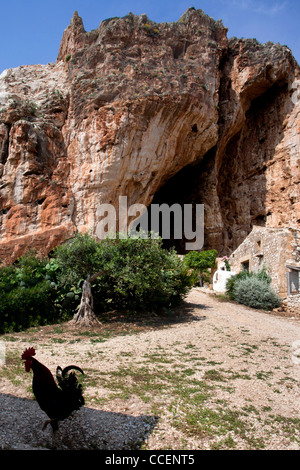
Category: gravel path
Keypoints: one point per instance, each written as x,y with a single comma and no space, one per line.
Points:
248,357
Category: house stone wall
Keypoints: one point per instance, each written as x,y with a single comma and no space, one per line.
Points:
272,249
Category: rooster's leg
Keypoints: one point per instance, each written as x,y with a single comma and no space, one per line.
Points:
55,439
53,423
46,424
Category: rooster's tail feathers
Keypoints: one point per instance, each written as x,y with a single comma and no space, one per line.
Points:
61,373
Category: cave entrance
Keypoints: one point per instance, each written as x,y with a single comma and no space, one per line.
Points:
172,195
178,191
234,190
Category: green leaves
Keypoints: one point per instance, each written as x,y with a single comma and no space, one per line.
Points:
77,259
256,293
139,274
233,281
29,294
136,274
253,289
201,260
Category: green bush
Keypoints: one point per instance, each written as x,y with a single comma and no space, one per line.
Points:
200,262
26,271
234,280
136,274
139,274
23,307
256,293
27,297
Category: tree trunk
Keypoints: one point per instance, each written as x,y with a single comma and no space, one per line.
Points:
85,314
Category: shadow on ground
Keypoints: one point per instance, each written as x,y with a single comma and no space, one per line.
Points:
186,312
21,422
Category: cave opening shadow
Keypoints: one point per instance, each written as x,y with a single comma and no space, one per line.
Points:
182,189
232,186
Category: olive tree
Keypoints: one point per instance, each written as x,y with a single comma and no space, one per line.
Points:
79,259
129,273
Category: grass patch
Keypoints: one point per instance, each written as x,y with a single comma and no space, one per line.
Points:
264,375
214,374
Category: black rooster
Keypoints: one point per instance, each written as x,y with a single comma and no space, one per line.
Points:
59,400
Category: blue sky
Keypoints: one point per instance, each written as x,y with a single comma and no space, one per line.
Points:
31,30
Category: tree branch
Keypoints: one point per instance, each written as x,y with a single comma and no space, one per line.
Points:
90,279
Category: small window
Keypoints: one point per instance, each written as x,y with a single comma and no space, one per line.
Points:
260,259
293,282
245,265
258,245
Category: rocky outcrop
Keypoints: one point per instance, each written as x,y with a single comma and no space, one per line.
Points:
171,112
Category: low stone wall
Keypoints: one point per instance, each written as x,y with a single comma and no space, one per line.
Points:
293,302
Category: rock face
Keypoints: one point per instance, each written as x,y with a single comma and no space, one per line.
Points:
171,112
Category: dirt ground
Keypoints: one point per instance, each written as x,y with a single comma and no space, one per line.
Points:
210,375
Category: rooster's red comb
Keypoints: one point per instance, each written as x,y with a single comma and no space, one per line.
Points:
29,352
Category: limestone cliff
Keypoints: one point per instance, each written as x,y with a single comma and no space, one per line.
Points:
170,112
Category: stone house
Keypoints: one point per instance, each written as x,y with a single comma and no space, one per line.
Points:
277,250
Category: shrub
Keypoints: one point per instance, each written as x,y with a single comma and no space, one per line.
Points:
256,293
137,274
23,307
27,297
225,259
234,280
140,274
66,294
150,30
